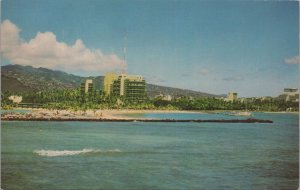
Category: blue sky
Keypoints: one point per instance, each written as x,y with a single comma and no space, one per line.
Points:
249,47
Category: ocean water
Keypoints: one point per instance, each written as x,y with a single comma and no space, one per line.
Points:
16,111
187,115
137,155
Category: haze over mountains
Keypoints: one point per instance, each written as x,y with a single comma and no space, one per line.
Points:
17,78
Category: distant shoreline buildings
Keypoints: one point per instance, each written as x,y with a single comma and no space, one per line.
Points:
132,88
15,99
290,94
232,96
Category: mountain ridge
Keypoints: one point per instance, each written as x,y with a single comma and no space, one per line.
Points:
18,78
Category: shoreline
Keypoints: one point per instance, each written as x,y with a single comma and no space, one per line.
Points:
46,114
113,116
156,111
115,113
248,120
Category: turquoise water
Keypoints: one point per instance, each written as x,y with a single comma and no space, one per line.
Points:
186,115
104,155
15,111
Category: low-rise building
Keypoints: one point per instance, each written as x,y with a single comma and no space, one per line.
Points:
164,97
15,99
266,98
290,95
232,96
290,91
167,97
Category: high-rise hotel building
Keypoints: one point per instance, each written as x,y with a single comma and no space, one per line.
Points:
87,86
131,87
108,82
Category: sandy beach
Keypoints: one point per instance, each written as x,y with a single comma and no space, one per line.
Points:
90,114
111,116
117,114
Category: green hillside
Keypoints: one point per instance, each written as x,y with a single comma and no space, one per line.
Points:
13,85
17,78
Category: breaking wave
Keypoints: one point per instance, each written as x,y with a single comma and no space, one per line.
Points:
52,153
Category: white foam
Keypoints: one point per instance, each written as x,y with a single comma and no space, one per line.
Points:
52,153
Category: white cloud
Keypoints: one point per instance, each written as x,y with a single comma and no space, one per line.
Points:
45,51
293,60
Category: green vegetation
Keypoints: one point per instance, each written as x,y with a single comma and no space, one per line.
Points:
18,78
186,103
57,90
75,99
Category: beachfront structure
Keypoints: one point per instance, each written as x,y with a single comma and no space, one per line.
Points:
266,98
232,96
87,86
15,99
290,95
164,97
109,78
290,91
131,87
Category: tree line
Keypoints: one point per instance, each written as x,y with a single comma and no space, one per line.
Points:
75,99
